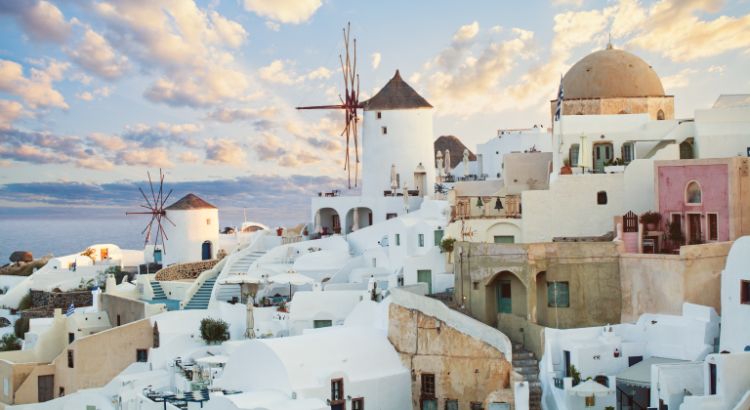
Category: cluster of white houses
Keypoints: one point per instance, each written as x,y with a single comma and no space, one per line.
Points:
598,264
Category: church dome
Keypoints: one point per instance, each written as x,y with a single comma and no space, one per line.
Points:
611,73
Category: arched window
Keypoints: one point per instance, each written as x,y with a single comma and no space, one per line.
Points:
693,193
660,115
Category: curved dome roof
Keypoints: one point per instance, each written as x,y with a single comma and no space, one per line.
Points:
611,73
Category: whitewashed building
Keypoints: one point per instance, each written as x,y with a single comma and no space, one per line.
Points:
193,233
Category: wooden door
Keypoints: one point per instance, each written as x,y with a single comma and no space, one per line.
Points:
104,253
503,295
425,276
46,388
694,225
602,155
336,223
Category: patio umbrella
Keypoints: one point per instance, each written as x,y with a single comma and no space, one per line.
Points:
318,228
248,284
447,158
212,360
394,178
439,162
292,278
590,388
466,162
584,153
250,318
406,199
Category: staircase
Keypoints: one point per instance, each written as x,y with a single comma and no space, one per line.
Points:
158,291
238,267
525,364
201,298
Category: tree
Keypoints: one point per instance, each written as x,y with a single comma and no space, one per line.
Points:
9,342
214,331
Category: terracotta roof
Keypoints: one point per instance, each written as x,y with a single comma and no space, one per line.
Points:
189,201
456,148
396,95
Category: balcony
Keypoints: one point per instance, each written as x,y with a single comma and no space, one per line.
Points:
486,207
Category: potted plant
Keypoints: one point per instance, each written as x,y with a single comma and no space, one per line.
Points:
675,233
279,231
282,307
575,374
566,169
650,219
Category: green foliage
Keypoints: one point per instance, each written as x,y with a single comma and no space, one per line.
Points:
25,302
214,331
21,327
575,374
650,217
9,342
446,245
675,233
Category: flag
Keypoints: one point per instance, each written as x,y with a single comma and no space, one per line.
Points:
560,97
71,310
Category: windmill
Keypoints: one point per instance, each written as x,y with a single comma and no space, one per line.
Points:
349,103
155,208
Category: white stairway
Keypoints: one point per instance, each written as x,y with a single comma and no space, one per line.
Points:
238,267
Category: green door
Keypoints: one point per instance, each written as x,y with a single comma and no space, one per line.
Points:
322,323
502,293
425,276
504,239
602,155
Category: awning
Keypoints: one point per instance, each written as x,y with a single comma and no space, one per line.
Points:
591,388
639,374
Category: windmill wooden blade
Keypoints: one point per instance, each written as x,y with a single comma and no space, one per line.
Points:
145,197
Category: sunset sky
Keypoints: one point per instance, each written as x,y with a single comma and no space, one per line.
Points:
94,93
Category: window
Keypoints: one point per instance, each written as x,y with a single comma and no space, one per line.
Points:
141,355
358,403
476,405
660,115
390,216
628,153
573,155
384,130
558,294
713,227
428,385
438,236
601,198
71,337
119,320
70,359
208,221
499,406
379,115
322,323
475,285
590,401
693,193
398,239
421,240
745,292
504,239
451,404
337,390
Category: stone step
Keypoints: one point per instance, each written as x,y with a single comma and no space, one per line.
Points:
523,356
525,363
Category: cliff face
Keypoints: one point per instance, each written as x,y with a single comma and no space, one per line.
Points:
456,148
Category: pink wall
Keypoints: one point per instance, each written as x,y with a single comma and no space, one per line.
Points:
714,181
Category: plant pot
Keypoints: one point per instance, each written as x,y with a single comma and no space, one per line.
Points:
566,170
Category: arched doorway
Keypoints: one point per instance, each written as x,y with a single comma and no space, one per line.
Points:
327,221
541,298
506,295
206,250
660,115
358,218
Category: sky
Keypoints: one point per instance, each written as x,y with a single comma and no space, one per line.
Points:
95,93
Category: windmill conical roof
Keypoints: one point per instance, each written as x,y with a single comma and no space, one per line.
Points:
189,201
396,95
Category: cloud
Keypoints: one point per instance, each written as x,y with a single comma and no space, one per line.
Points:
225,151
284,11
375,60
9,112
278,72
188,157
273,26
36,90
675,30
576,3
96,55
151,157
719,69
161,134
191,48
678,80
41,20
466,32
228,115
108,142
100,92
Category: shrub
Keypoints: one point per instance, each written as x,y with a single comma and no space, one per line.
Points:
575,374
214,331
650,218
675,233
21,327
446,245
25,302
9,342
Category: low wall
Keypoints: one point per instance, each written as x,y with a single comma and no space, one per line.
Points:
520,330
185,270
127,310
62,300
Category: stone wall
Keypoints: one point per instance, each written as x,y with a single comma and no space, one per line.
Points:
185,270
608,106
62,300
465,368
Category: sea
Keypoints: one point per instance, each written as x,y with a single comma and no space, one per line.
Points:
63,232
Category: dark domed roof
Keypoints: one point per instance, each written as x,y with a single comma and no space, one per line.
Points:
396,95
189,201
611,73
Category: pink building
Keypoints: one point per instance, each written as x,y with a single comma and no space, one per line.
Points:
706,200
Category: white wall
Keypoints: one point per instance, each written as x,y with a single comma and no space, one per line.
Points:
735,331
509,141
191,228
407,143
722,132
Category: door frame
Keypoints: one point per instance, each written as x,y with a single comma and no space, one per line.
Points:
689,226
